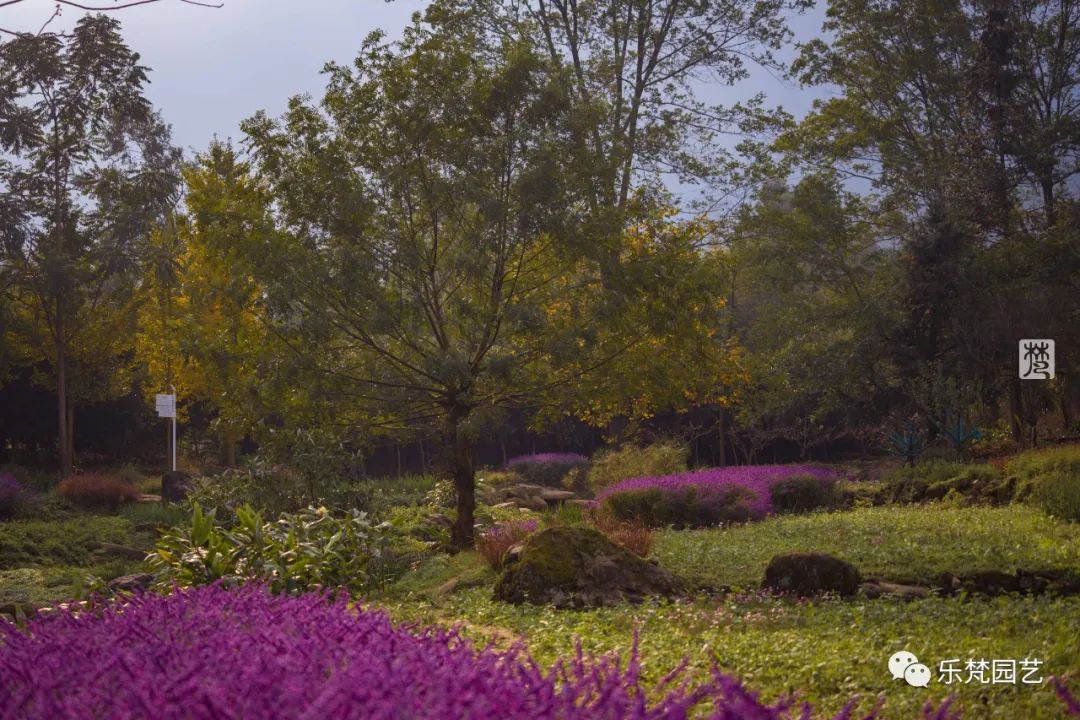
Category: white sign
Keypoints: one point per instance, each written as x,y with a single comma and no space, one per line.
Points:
166,405
1037,359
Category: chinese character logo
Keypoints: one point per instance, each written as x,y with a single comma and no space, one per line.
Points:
1036,359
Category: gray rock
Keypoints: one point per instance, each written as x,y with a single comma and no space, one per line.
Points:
807,574
175,486
132,583
579,567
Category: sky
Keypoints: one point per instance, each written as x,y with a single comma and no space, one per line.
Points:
212,68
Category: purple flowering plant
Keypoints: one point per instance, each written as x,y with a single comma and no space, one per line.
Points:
211,652
704,497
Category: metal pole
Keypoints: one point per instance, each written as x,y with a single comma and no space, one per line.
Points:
173,388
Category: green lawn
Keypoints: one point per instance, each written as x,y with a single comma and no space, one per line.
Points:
829,649
912,543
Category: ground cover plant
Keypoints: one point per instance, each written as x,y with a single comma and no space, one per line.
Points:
306,656
706,497
97,490
915,543
827,650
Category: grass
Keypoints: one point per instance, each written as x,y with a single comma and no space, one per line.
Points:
828,649
46,543
913,543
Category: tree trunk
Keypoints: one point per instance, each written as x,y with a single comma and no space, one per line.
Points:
71,430
230,450
464,476
1016,412
64,445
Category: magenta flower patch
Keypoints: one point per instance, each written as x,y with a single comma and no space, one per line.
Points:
757,479
209,653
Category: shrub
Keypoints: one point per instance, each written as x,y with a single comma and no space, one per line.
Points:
933,480
276,657
546,468
630,461
803,493
633,535
1031,464
97,491
494,543
703,498
13,496
684,507
1058,494
309,549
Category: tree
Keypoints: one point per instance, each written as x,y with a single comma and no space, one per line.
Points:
60,4
812,302
426,263
88,170
633,72
200,325
962,114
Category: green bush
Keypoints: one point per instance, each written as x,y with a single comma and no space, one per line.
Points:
934,480
309,549
803,493
1026,472
630,461
684,508
1058,494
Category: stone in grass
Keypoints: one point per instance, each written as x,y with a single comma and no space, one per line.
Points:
175,485
807,574
576,567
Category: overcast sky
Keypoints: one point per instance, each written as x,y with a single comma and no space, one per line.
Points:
212,68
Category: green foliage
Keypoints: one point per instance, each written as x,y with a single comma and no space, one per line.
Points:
274,489
803,494
934,479
309,549
612,466
826,650
53,543
426,523
913,544
1058,493
437,576
684,507
389,491
1030,464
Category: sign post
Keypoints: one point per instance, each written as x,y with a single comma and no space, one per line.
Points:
166,408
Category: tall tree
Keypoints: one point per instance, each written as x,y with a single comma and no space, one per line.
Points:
634,71
962,114
200,326
88,170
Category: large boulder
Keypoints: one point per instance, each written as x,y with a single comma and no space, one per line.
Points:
579,567
807,574
175,485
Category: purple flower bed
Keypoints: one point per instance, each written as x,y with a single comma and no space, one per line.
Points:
215,653
747,487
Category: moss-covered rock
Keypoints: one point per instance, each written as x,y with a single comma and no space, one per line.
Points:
579,567
806,574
